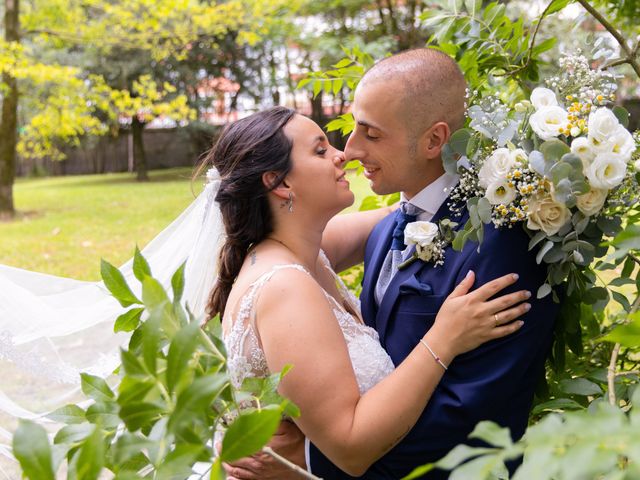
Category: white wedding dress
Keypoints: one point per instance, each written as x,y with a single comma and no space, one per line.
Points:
370,361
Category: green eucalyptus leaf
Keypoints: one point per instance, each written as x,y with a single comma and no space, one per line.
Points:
249,433
31,448
548,245
484,210
459,141
554,149
117,285
622,115
543,291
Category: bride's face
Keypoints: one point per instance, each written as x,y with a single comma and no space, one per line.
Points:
317,179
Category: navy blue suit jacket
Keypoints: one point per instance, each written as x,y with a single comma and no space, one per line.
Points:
493,382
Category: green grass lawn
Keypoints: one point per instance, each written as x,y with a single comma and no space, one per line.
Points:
66,224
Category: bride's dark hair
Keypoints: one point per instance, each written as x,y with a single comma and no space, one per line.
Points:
246,150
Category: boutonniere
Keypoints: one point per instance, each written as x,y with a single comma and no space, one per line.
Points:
430,240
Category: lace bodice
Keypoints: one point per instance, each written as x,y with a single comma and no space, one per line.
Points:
245,355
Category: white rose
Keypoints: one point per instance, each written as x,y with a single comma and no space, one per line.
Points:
546,214
518,155
420,233
499,192
543,97
496,167
591,202
606,171
602,123
548,122
622,142
582,148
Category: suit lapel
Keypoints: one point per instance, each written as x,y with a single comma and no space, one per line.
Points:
383,316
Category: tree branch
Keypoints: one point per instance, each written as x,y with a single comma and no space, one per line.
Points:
291,465
630,54
611,374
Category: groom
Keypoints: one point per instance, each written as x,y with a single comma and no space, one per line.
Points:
406,108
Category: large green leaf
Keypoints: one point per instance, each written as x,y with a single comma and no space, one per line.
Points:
89,460
493,434
180,352
129,320
73,433
153,294
96,388
68,414
117,285
177,282
580,386
138,415
31,448
104,414
249,433
194,401
141,267
627,335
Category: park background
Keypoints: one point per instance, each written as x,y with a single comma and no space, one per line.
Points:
108,106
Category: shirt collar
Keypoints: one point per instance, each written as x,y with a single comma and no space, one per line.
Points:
431,198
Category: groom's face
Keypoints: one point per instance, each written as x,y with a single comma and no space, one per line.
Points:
382,140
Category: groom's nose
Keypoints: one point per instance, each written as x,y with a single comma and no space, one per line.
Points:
353,150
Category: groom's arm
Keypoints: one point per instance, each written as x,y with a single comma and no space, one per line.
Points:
345,236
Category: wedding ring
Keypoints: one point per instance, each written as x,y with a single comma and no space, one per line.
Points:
495,318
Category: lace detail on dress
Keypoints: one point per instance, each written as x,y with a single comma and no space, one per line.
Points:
245,355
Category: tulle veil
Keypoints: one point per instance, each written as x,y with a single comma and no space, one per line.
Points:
54,328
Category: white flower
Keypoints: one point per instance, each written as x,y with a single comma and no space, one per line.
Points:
499,192
546,214
591,202
606,171
622,142
518,155
582,148
420,233
496,167
543,97
602,124
548,122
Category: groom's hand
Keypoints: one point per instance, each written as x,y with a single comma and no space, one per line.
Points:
288,441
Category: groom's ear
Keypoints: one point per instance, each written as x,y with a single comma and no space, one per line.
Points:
435,138
281,190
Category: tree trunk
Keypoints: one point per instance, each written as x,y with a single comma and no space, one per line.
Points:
139,157
9,119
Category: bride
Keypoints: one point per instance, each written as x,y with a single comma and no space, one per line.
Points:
281,302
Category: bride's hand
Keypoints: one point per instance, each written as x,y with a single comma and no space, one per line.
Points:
466,319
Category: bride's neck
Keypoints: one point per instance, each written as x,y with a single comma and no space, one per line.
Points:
301,241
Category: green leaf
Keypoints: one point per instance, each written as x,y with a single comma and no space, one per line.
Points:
117,285
141,267
90,458
543,291
622,115
177,283
557,404
73,433
543,251
554,149
492,433
460,454
249,433
180,352
131,364
68,414
104,414
580,386
137,415
449,160
557,5
96,388
31,448
153,294
627,335
459,141
484,210
129,320
418,472
128,446
196,400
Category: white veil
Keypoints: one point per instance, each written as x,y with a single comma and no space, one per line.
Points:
53,328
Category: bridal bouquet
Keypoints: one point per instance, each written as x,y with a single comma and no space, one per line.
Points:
562,164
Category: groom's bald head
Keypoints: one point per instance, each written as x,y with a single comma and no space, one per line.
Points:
430,86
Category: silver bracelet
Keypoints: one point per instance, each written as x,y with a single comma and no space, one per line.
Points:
433,354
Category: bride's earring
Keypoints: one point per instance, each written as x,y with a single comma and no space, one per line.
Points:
290,202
